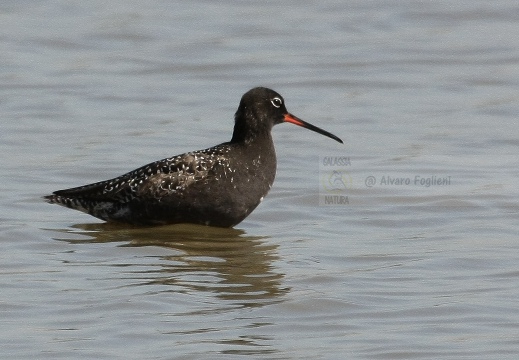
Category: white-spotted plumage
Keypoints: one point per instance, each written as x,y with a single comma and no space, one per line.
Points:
153,183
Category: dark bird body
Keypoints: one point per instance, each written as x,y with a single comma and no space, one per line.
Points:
219,186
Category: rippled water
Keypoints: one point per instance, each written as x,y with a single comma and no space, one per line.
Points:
375,256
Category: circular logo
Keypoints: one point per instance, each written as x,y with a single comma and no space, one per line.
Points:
336,181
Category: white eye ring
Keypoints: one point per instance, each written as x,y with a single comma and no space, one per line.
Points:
276,102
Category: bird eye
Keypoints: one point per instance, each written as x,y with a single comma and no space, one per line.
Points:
277,102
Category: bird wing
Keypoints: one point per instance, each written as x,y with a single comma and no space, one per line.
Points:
154,180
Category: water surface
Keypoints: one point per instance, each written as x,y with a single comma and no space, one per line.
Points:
90,90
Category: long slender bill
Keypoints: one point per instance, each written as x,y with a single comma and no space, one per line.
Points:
295,120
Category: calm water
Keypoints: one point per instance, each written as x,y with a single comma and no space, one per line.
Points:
400,244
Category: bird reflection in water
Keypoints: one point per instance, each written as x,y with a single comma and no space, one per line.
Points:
226,262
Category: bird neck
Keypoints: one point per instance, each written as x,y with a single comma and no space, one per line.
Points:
247,134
